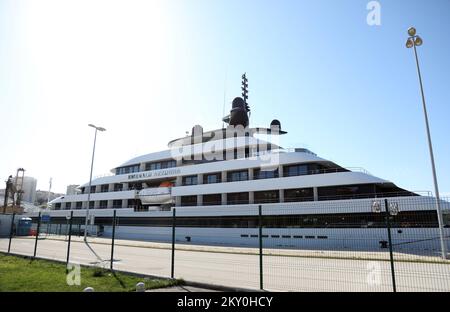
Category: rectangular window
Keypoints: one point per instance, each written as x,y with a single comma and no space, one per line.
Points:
234,176
189,200
57,206
267,197
135,186
117,203
127,169
212,199
79,205
91,204
132,203
190,180
104,188
212,178
160,165
298,195
103,204
118,187
346,192
295,170
237,198
82,190
93,188
68,205
265,174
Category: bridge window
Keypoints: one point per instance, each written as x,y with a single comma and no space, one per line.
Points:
160,165
127,169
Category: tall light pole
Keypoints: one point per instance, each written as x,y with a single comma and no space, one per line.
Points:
413,42
90,179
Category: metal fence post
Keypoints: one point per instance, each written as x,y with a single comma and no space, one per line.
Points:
112,240
11,232
37,234
68,242
391,255
261,285
174,218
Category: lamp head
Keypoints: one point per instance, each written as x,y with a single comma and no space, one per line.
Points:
409,43
418,41
411,31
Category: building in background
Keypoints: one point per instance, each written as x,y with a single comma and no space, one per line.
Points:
72,189
29,189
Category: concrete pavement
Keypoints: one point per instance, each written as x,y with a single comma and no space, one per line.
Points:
239,267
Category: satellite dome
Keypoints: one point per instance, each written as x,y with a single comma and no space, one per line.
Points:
275,124
238,114
238,102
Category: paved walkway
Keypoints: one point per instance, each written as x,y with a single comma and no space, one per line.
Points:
239,267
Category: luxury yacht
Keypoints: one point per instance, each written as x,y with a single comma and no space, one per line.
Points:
217,180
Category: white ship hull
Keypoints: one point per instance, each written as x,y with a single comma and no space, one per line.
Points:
408,239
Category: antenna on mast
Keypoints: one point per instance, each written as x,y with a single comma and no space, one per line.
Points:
245,91
224,98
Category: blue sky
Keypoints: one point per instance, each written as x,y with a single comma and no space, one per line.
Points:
150,70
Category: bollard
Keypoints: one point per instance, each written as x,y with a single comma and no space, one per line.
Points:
140,287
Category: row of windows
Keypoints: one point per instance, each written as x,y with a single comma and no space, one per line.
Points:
242,175
118,187
160,165
232,176
273,196
148,166
103,204
302,194
127,169
415,219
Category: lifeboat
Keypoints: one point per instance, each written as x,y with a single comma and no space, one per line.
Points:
157,195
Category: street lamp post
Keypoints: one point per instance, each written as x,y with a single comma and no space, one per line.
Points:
413,42
90,179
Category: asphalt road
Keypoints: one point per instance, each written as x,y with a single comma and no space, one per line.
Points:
281,272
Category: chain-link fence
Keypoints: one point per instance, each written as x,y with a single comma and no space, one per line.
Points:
386,244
